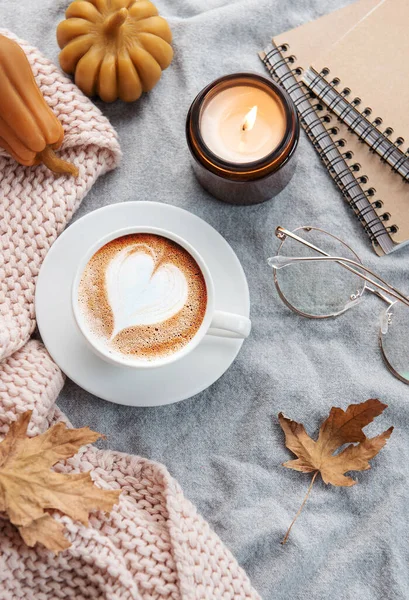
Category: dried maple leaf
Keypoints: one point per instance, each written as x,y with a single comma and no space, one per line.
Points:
341,427
46,531
28,488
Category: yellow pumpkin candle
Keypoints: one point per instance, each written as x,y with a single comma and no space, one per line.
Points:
115,48
29,130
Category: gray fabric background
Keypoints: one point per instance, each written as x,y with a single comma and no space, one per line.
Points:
224,446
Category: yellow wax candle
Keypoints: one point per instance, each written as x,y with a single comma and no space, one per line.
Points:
115,48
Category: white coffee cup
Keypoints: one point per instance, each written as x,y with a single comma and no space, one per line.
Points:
215,322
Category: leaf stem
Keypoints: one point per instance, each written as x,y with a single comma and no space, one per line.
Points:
287,535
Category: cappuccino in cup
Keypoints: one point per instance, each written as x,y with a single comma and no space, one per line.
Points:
142,297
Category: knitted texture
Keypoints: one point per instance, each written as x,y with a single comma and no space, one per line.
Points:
153,545
36,204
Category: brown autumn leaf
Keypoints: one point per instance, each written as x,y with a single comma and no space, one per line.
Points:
28,488
341,427
46,531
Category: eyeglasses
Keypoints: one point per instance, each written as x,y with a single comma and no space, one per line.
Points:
319,276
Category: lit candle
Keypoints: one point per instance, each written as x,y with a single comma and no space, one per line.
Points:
243,129
242,124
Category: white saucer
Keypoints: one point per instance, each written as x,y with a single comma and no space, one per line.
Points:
154,387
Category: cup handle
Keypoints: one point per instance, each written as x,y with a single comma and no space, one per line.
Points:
225,324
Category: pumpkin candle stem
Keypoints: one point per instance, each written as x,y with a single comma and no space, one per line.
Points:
55,164
114,22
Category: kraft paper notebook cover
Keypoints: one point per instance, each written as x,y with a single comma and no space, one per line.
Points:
366,184
360,78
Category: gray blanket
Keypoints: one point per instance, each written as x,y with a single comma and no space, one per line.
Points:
225,446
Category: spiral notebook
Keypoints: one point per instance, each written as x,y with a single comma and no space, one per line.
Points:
354,42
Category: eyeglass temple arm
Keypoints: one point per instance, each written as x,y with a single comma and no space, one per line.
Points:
281,233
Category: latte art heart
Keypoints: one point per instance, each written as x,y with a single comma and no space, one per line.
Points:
142,296
139,293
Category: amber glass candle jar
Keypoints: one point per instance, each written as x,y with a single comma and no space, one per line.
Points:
242,131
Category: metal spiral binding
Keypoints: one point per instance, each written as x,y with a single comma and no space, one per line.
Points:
321,131
358,121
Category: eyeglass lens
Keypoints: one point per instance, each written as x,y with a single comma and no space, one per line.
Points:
395,341
317,288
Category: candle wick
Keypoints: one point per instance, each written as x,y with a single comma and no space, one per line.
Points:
249,119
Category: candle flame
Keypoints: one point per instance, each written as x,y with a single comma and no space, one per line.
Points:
250,119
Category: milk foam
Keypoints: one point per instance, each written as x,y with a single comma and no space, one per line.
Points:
139,293
142,296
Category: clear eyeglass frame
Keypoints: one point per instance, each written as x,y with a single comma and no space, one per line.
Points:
372,283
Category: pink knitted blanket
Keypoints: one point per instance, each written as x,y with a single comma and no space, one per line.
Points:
153,545
35,205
